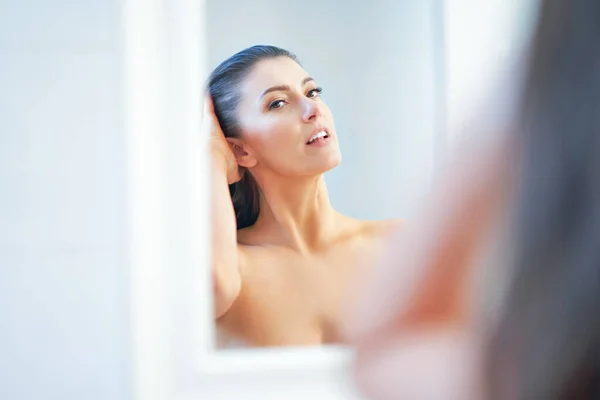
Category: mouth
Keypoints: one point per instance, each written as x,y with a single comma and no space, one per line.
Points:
320,135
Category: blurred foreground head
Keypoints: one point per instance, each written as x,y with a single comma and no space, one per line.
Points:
547,343
419,329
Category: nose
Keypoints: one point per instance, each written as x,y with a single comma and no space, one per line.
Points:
312,110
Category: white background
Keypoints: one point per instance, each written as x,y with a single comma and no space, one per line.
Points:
83,275
64,287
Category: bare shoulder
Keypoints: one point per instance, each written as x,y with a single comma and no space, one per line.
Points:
246,237
256,249
382,228
247,247
251,240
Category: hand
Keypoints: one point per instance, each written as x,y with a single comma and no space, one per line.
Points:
219,147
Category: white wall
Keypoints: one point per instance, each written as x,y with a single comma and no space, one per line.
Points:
63,273
479,64
375,61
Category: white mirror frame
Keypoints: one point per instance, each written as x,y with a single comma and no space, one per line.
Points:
164,62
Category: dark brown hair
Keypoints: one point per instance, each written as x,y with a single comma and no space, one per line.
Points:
547,345
223,86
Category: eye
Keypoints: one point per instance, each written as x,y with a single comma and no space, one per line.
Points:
276,104
314,93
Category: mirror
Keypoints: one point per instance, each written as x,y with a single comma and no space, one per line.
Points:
326,204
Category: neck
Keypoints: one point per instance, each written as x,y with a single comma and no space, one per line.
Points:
295,212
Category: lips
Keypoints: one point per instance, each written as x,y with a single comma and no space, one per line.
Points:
319,134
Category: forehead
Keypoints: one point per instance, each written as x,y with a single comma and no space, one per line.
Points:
273,72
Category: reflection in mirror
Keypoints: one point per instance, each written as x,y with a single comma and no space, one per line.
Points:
322,119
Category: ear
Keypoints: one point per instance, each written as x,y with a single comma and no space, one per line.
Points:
242,152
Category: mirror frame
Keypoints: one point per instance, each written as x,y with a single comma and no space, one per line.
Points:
164,55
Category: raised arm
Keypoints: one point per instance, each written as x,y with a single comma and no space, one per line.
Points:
226,257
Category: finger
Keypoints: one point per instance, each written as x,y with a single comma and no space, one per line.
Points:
209,103
210,107
211,122
207,111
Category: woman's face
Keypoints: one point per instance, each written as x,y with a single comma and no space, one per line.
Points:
286,127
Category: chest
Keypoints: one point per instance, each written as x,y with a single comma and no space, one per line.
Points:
288,299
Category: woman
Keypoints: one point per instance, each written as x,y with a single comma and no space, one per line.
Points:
283,257
429,334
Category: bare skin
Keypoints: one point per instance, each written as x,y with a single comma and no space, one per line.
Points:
289,298
283,281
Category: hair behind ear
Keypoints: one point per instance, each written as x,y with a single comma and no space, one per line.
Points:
245,196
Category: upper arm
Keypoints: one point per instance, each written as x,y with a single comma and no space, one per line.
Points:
227,283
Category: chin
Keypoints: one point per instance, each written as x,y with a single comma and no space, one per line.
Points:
318,165
331,162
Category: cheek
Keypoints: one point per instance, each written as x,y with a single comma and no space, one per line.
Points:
273,135
327,113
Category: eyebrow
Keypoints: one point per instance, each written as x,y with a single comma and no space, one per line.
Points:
283,88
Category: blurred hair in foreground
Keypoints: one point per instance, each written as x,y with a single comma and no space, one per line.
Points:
547,345
419,330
